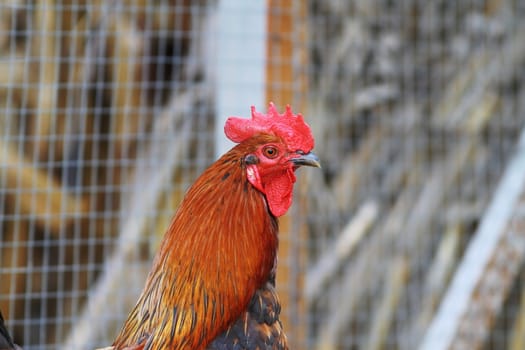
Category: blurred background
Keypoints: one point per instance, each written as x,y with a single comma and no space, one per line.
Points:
412,235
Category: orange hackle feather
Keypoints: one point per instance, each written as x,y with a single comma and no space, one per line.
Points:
218,250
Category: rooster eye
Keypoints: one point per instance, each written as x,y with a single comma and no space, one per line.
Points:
270,152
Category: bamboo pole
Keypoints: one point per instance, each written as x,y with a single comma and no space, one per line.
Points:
125,52
47,48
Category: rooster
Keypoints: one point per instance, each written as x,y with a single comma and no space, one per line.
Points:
212,282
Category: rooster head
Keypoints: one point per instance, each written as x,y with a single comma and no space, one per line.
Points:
286,143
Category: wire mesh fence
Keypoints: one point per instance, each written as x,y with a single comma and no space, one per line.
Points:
412,234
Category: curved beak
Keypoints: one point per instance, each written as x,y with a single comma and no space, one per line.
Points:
309,159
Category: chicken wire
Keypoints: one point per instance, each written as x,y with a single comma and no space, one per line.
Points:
109,113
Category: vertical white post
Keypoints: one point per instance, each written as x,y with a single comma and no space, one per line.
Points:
241,63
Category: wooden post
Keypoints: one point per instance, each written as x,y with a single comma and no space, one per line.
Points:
286,83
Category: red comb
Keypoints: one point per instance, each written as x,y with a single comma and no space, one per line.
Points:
288,126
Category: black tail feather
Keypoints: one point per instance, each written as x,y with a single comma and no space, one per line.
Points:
6,342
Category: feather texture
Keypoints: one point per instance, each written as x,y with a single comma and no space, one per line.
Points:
258,327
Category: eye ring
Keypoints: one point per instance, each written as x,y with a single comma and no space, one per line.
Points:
270,152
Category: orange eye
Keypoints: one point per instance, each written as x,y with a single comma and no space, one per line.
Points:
270,152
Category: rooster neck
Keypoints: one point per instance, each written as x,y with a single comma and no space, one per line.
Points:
222,225
219,249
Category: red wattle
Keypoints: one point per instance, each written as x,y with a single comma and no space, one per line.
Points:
279,192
